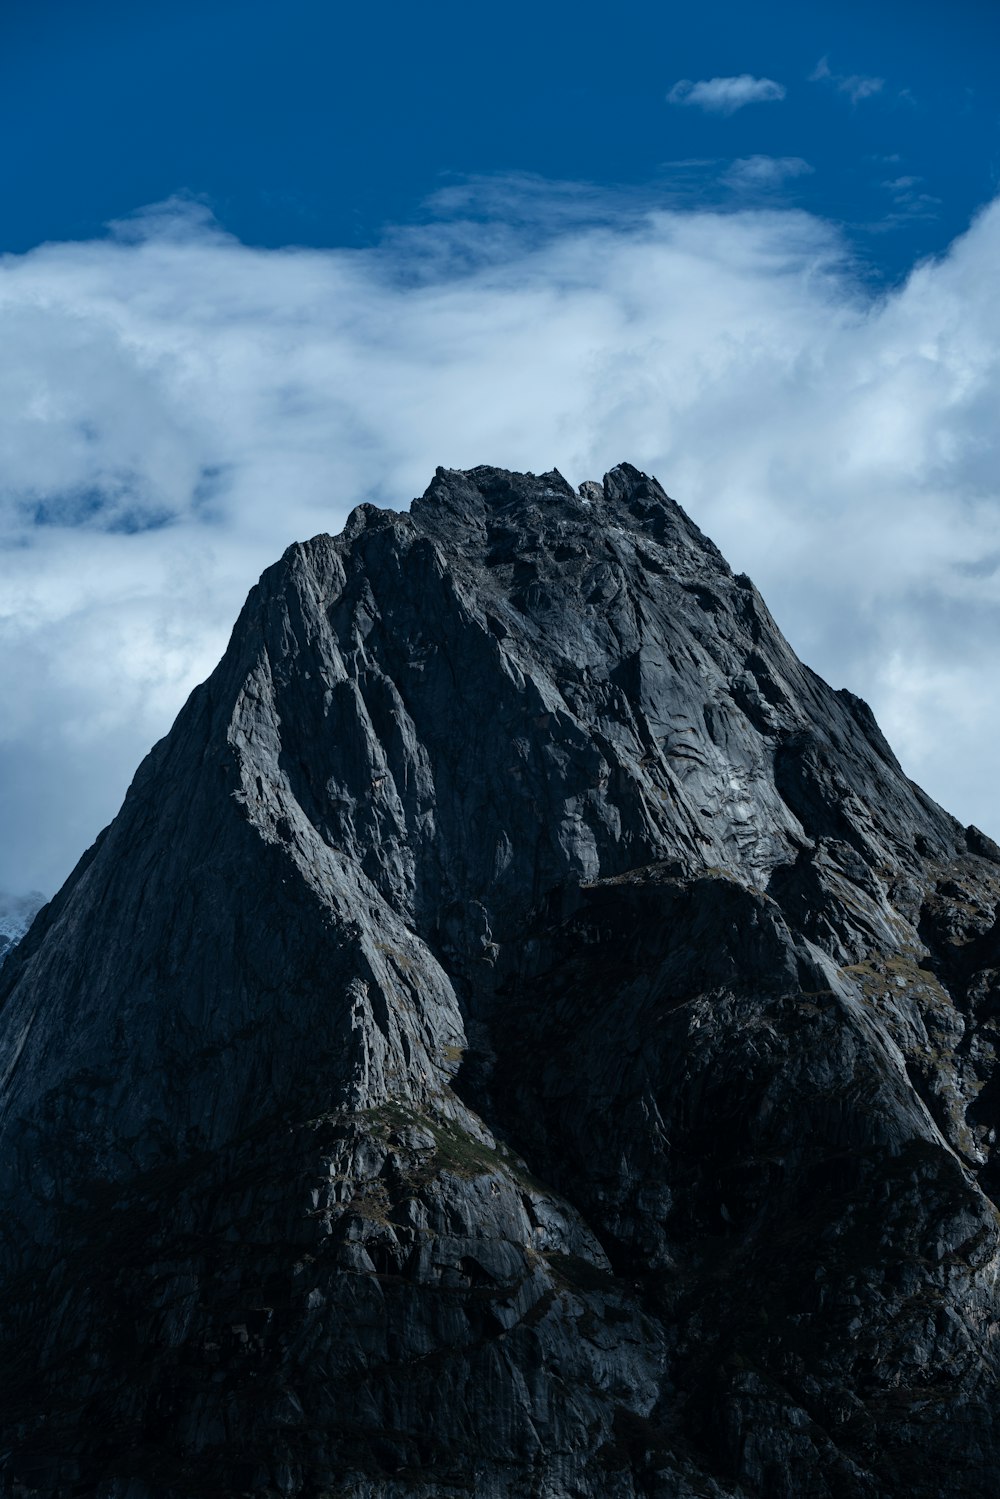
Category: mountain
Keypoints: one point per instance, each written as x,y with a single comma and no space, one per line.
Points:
16,915
523,1035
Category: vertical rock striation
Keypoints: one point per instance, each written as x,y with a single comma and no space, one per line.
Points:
522,1035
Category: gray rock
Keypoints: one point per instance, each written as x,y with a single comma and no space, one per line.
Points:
522,1035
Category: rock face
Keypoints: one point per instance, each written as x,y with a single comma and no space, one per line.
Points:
523,1035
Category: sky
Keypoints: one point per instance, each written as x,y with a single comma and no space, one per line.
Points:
260,263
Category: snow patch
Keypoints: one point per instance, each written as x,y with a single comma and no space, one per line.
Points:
17,912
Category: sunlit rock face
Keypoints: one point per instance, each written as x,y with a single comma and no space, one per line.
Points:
523,1035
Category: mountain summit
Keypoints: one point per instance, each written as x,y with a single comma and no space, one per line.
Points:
523,1035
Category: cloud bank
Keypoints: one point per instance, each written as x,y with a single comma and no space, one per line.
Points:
726,95
176,407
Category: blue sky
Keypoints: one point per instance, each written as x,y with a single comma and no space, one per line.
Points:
260,262
318,124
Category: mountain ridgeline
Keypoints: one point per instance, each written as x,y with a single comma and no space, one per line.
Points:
523,1036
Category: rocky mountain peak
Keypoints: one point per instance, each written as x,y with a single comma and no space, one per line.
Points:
524,1031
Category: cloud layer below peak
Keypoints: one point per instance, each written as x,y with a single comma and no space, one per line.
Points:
177,407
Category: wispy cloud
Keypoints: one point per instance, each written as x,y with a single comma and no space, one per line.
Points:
182,406
726,95
755,173
898,185
909,200
856,86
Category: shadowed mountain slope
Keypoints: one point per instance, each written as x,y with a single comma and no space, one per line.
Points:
523,1035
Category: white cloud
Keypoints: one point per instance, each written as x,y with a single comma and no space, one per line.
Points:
178,407
856,86
726,95
749,173
908,202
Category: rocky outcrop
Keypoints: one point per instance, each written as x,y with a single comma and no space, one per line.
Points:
522,1035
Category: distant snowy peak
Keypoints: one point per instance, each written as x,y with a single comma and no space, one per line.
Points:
17,912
